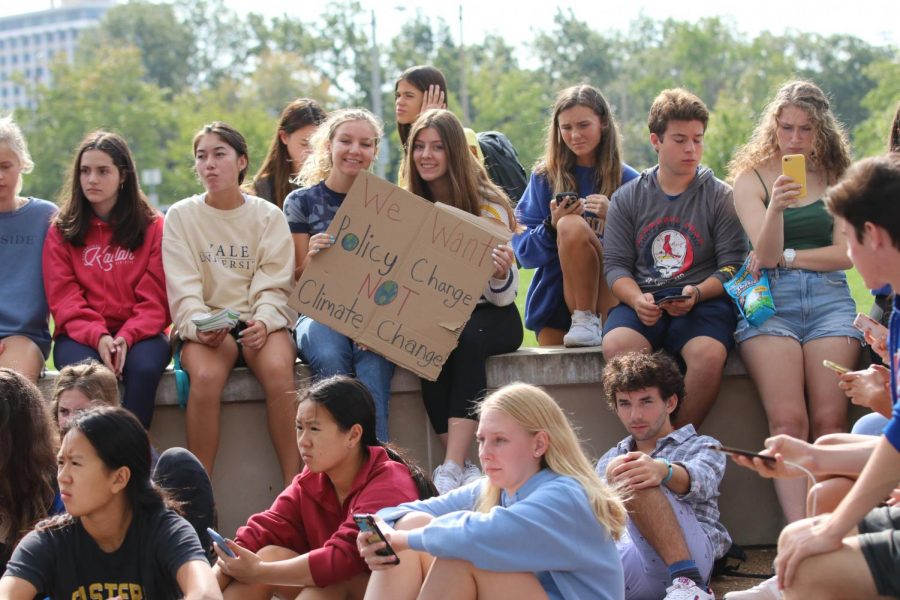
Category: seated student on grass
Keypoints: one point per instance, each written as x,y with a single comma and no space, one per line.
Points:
103,272
671,479
119,537
289,149
28,444
541,524
568,297
674,232
24,335
344,145
442,169
304,546
851,552
226,249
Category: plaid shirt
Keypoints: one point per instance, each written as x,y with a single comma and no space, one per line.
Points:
704,466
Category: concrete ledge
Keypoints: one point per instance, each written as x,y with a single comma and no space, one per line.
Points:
247,479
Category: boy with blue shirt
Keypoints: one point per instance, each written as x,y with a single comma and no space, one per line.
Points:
672,480
672,239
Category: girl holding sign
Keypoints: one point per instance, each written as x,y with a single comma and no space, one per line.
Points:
442,169
344,145
562,239
226,249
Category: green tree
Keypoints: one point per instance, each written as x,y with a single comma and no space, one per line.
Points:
870,137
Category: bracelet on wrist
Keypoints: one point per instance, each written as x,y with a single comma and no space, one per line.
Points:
549,228
699,294
669,474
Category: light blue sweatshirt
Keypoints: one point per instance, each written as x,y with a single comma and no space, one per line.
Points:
547,528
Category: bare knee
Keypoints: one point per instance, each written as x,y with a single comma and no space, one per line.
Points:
621,340
413,520
275,553
571,230
704,355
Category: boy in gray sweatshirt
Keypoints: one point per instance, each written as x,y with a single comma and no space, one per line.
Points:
672,239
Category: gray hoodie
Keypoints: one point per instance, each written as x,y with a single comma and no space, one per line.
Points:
663,243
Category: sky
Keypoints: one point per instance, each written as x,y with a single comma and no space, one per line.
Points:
875,21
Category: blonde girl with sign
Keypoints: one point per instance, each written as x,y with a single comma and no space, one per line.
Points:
568,296
103,272
540,525
442,169
227,249
344,145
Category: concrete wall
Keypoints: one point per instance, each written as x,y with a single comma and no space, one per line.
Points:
247,477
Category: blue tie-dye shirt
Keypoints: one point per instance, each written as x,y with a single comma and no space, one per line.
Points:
310,210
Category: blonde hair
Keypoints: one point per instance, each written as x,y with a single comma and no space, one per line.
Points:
831,150
11,135
469,180
534,410
91,378
318,165
558,162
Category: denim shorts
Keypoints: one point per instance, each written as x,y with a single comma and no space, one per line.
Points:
808,305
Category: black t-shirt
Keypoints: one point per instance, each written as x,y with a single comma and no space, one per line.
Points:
66,563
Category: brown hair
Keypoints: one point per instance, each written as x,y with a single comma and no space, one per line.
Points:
132,213
91,378
558,162
869,193
675,104
894,136
634,371
420,77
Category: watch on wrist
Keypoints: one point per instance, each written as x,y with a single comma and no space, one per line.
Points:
789,256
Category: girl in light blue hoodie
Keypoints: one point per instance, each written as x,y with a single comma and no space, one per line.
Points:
541,524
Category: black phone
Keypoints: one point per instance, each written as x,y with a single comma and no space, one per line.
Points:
367,523
566,199
674,298
747,453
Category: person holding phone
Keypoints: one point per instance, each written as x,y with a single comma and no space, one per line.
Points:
103,272
227,249
290,147
541,524
568,297
306,540
803,250
119,537
441,169
345,145
24,332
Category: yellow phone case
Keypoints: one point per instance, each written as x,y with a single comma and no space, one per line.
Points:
794,166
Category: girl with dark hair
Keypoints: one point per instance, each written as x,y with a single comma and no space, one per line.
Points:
418,89
103,272
119,538
27,448
442,169
288,151
224,249
24,335
568,296
307,540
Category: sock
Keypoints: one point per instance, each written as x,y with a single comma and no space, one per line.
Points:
687,568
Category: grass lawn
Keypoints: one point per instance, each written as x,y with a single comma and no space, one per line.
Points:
858,290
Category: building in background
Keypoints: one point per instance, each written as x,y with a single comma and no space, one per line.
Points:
29,43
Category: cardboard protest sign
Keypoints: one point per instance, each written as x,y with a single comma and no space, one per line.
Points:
403,276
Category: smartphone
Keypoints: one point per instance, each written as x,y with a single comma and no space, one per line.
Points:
367,523
566,199
747,453
674,298
794,166
220,542
867,324
839,369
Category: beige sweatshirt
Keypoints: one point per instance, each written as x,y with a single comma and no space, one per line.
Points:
241,258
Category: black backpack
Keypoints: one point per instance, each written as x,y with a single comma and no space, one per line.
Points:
502,163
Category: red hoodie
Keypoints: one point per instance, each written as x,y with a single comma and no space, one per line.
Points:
307,518
102,288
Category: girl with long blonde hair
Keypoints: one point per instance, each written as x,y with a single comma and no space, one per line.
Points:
542,524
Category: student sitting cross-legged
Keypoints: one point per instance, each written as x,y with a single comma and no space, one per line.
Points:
540,525
671,477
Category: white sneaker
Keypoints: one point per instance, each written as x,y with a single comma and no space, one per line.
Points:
447,477
584,331
471,473
684,588
767,590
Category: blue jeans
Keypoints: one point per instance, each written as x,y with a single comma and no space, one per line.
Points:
145,362
331,353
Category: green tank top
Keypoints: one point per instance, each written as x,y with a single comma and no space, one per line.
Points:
807,227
